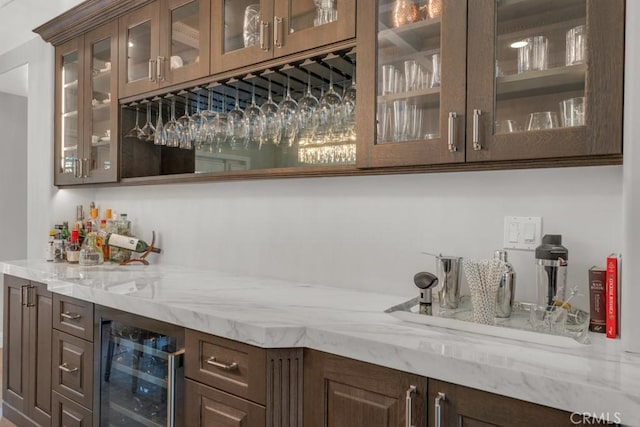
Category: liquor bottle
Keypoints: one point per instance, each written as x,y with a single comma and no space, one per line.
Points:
58,245
90,253
49,253
130,243
123,228
102,238
73,248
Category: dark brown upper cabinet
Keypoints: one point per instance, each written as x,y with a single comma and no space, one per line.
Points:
244,32
162,44
489,81
86,108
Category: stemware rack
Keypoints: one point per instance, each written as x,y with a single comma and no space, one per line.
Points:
337,68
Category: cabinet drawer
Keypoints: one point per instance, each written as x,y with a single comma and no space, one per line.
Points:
208,407
72,368
73,316
228,365
67,413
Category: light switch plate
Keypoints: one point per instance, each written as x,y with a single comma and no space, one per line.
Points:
522,232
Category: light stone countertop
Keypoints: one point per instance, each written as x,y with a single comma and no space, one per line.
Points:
596,379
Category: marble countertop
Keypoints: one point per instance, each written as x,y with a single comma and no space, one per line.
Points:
596,379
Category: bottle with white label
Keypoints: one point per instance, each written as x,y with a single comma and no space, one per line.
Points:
130,243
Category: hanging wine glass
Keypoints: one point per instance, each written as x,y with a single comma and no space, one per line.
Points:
220,127
254,122
288,123
172,128
160,136
237,126
349,113
207,116
147,131
307,106
196,124
271,125
185,121
135,131
329,106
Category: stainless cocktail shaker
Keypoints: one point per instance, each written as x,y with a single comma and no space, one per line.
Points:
507,287
448,271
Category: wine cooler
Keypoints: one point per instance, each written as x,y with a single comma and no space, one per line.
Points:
141,371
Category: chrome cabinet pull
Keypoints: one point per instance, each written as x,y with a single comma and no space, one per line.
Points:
85,168
277,41
31,296
152,70
65,368
24,300
476,130
264,27
70,316
438,412
160,68
227,367
172,367
76,167
452,130
409,405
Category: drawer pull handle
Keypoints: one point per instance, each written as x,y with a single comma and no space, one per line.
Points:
227,367
65,368
438,406
70,316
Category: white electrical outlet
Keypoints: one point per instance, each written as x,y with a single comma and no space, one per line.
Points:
522,232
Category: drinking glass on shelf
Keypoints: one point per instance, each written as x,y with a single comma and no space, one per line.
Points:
254,122
575,44
160,136
307,107
187,135
147,131
414,122
533,55
572,112
172,128
288,123
135,132
251,27
384,122
390,77
411,75
507,126
271,127
237,127
435,72
542,120
399,120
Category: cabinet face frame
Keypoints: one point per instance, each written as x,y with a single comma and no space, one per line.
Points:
602,134
452,93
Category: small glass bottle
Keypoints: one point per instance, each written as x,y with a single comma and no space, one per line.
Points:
90,253
49,253
73,248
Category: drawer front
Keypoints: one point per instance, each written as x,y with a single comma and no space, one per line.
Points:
208,407
72,368
234,367
67,413
73,316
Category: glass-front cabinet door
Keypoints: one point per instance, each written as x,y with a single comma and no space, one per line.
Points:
414,112
101,105
541,79
139,50
69,114
185,40
304,24
241,33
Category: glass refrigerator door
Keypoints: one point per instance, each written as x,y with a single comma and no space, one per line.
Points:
139,376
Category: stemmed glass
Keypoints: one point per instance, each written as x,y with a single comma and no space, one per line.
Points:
327,118
307,107
196,124
220,125
207,116
160,136
147,131
349,113
187,135
135,131
254,122
271,125
288,123
172,128
237,126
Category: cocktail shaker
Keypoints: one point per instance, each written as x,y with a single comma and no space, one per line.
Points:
448,271
507,287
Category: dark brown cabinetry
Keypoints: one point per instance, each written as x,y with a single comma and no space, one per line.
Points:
345,392
86,108
67,413
457,405
26,372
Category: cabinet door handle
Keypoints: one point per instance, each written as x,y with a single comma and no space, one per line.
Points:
160,72
409,405
451,142
65,368
31,294
264,27
24,300
438,412
476,130
227,367
76,168
277,22
85,168
70,316
152,70
172,367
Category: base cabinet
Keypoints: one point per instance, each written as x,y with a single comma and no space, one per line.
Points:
67,413
345,392
26,372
